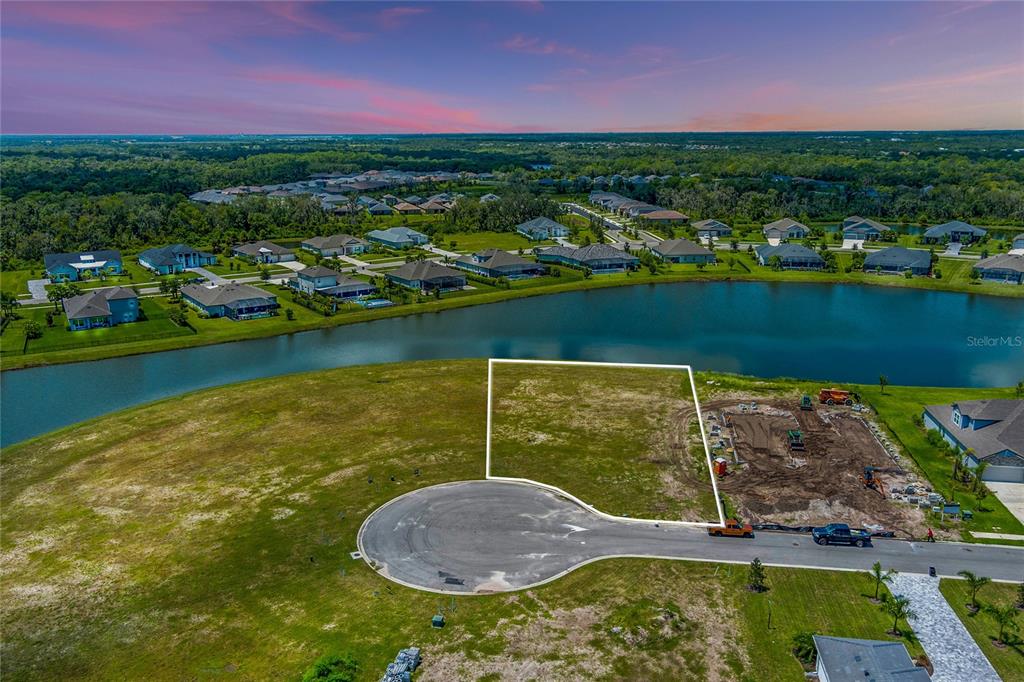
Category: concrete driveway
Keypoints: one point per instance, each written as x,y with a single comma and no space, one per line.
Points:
213,278
1011,495
495,536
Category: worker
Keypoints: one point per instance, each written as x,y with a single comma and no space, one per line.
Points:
931,535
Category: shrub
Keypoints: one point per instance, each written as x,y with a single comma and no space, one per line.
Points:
289,313
332,668
803,647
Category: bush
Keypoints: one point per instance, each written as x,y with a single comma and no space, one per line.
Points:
332,668
289,313
803,647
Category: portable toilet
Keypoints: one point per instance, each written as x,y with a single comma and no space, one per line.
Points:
437,621
721,466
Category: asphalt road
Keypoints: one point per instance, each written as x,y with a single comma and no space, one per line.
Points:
492,536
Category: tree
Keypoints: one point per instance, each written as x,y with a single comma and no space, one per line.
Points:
332,668
1005,617
55,295
1020,596
757,576
898,607
979,471
883,381
289,313
8,301
264,273
33,330
974,584
1019,389
880,577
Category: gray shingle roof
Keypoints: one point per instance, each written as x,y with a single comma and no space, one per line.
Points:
396,234
897,257
262,246
541,223
224,294
680,247
784,224
788,252
334,241
1006,433
944,229
1001,261
711,224
314,271
52,260
95,303
425,270
165,255
867,660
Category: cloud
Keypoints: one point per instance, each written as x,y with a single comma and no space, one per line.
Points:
966,78
393,17
105,16
534,45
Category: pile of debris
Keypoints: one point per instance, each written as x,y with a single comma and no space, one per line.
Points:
405,663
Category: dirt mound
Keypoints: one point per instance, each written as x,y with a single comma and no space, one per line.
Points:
818,485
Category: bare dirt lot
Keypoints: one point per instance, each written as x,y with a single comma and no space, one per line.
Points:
820,484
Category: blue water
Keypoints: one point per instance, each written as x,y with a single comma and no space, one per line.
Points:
837,333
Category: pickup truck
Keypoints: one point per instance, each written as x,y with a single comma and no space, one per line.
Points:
840,534
732,527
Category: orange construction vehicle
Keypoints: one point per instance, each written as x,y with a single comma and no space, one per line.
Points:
834,396
732,527
869,480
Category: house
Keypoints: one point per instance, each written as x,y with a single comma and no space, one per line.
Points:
1003,267
786,228
953,231
498,263
598,258
105,307
415,199
427,276
405,208
863,229
168,260
233,300
991,430
433,207
397,237
793,256
390,199
842,659
71,267
542,228
665,217
320,280
1017,249
487,198
714,229
896,260
263,252
336,245
682,251
379,209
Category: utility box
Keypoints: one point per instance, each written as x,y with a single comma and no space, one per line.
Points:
437,621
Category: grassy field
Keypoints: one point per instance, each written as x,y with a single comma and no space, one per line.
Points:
469,242
620,439
1007,660
208,536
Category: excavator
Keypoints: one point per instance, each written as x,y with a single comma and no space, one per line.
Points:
870,480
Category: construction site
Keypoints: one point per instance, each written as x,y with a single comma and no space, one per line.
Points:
813,461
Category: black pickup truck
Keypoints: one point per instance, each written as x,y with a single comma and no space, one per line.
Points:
840,534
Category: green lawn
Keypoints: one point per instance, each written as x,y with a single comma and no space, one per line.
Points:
623,440
898,408
1007,660
208,535
470,242
16,281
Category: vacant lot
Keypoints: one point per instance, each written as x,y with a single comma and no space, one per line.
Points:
208,536
814,486
622,439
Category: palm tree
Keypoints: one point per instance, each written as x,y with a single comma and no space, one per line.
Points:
56,294
899,608
7,302
974,583
883,381
1005,617
979,471
878,576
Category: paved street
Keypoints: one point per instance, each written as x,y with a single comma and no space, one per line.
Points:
483,536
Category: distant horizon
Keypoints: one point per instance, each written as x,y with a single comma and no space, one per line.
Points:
163,67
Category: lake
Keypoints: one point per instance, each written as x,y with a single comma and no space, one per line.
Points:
834,333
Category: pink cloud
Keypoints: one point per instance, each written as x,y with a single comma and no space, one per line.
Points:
968,78
107,16
393,17
300,17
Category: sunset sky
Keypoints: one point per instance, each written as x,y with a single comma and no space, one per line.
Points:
261,67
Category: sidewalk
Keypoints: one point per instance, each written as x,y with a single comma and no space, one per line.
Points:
954,654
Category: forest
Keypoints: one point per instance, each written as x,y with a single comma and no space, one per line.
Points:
70,193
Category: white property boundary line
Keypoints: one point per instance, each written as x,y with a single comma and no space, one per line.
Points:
696,401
